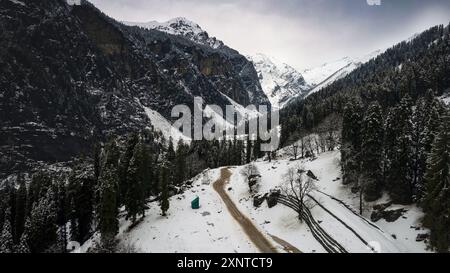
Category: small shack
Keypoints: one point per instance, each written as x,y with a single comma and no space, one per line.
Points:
195,204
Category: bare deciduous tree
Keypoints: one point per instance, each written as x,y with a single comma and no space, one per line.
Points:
328,132
293,150
296,188
316,144
206,179
251,174
309,146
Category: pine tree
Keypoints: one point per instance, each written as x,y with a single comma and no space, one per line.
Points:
112,154
38,189
23,246
42,229
426,124
2,210
235,154
180,163
239,152
123,165
248,153
81,199
437,197
256,148
137,178
371,153
97,160
6,237
108,193
351,142
20,208
170,152
148,165
164,188
108,207
400,168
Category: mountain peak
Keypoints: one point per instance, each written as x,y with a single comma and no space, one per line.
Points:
260,57
279,80
181,26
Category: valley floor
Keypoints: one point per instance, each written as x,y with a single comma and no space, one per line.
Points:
228,222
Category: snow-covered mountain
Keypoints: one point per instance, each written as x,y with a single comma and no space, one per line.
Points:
182,27
88,93
279,81
326,74
283,84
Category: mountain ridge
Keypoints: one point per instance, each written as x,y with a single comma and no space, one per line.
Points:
97,77
181,26
279,80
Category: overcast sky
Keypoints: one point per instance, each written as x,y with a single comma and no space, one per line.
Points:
302,33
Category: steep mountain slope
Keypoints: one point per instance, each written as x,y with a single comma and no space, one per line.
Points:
279,81
411,67
71,76
183,28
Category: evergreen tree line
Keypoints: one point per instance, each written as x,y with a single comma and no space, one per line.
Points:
411,67
402,150
122,178
394,130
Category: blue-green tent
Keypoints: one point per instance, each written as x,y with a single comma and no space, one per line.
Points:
195,204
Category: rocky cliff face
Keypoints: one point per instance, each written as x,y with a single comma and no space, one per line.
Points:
215,66
70,76
279,81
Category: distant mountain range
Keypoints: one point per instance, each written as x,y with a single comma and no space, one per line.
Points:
280,82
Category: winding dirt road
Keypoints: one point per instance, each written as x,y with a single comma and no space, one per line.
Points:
257,238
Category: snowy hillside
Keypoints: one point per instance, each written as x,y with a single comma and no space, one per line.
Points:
215,227
164,126
182,27
279,81
161,124
328,73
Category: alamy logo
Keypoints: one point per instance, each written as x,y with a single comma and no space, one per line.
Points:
74,2
234,123
373,2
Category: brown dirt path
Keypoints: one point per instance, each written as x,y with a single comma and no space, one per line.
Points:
257,238
286,246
